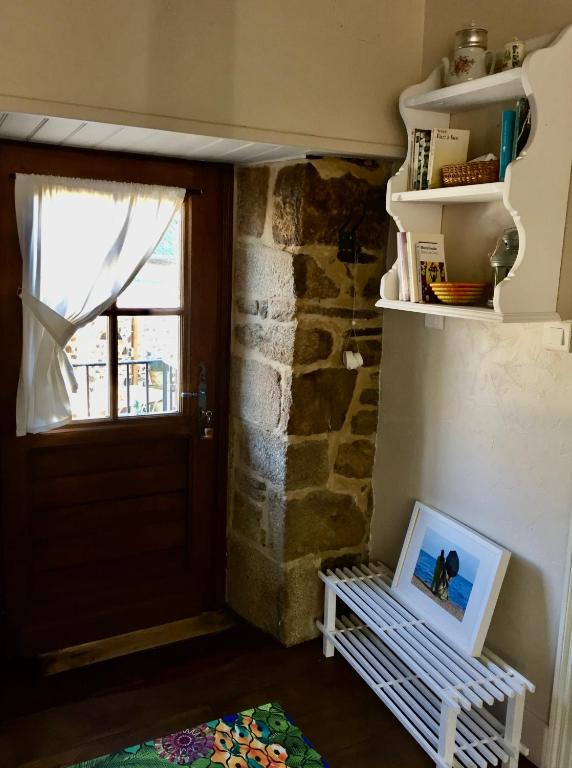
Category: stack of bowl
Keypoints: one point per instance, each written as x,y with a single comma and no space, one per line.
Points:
459,293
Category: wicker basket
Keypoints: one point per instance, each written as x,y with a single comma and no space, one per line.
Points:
480,172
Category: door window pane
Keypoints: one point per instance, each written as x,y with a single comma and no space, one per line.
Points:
158,284
88,352
148,356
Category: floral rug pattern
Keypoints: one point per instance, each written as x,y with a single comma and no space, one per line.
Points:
263,737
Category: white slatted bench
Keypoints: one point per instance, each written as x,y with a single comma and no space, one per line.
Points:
441,695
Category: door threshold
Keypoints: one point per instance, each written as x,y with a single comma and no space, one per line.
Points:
106,648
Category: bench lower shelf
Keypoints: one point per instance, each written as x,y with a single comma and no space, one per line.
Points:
453,724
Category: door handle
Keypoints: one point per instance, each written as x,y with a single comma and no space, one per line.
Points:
205,414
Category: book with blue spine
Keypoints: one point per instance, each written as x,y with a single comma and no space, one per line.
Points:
507,135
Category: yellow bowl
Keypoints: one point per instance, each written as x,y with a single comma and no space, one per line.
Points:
458,285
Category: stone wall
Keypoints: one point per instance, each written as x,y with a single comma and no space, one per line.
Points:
302,426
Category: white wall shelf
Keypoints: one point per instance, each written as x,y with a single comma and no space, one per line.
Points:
466,312
440,695
534,194
470,95
473,193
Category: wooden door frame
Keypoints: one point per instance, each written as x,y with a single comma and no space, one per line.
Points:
213,178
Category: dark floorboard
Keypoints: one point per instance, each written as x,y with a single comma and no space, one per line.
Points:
73,716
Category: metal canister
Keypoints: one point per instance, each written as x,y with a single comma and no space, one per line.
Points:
472,36
503,257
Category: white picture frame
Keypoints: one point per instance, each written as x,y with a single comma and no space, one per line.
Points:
459,606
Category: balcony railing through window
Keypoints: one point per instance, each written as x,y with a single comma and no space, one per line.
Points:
145,386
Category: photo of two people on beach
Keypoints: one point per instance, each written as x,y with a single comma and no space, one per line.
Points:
445,572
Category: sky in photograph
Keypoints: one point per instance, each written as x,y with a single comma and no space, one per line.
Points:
434,542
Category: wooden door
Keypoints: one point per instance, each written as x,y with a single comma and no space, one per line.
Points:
118,524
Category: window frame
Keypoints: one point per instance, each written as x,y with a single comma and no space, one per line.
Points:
183,312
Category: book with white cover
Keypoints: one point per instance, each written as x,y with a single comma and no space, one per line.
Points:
426,263
402,267
449,146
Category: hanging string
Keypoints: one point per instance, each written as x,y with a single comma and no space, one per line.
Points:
356,267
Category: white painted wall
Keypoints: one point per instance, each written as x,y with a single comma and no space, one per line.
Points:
325,73
477,420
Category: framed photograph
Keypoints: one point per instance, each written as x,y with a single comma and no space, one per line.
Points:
451,576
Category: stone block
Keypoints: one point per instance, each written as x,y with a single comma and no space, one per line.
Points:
364,422
320,400
332,202
263,452
281,310
256,392
273,340
275,522
250,486
247,518
287,209
369,397
261,272
311,281
246,306
255,585
303,602
307,464
322,521
311,205
355,459
311,345
251,200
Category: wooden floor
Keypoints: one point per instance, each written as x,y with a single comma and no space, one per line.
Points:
80,714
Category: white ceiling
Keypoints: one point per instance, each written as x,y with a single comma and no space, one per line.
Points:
149,141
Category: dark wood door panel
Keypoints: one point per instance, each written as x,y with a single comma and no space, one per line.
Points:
115,582
122,484
65,461
144,540
105,517
54,632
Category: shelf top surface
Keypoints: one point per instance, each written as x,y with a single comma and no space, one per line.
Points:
471,193
466,312
474,93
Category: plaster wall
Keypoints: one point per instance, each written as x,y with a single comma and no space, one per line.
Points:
477,420
325,74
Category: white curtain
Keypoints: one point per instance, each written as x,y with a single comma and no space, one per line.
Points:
82,243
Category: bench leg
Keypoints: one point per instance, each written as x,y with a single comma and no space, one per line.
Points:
329,620
513,726
447,729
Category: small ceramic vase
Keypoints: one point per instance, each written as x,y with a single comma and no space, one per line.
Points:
513,55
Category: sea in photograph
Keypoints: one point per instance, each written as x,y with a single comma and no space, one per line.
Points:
459,587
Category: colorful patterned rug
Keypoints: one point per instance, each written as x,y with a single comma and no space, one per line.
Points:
263,737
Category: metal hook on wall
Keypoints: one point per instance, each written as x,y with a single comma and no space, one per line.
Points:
348,246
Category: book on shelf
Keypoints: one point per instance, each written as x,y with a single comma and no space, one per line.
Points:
403,267
449,146
506,141
425,261
432,149
522,124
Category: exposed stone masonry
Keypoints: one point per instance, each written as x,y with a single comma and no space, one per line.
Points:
302,426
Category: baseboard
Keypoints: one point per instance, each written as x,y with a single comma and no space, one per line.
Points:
534,731
131,642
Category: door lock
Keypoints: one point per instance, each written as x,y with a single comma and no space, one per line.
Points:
205,414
